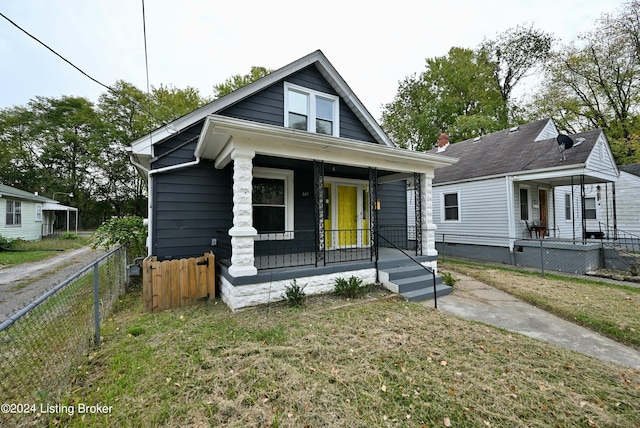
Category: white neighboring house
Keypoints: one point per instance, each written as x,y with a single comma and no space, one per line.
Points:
627,190
28,216
508,181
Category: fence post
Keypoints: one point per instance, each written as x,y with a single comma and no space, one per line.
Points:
96,301
542,258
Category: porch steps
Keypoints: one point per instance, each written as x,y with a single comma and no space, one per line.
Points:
412,282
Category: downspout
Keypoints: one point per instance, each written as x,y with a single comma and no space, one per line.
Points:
149,205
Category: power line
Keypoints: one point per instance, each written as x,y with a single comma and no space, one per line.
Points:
109,88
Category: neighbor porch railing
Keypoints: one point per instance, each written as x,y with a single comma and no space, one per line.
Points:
282,249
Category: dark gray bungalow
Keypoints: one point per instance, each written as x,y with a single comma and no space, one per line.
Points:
287,178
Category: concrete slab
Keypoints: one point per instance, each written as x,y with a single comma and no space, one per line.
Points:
474,300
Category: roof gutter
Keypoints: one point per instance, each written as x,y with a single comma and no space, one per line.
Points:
174,167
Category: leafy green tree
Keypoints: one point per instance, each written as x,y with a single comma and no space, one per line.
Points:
516,53
237,81
455,94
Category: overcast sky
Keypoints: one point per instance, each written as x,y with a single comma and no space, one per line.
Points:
200,43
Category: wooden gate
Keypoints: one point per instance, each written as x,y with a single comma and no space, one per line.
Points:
175,283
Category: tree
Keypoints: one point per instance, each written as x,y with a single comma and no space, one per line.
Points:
515,53
237,81
455,94
595,82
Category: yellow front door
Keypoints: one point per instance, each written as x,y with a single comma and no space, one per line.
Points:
347,216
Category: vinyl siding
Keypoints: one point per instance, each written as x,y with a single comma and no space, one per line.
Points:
192,206
29,229
482,208
267,106
627,203
570,229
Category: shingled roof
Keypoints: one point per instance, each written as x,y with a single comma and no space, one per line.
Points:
631,169
526,148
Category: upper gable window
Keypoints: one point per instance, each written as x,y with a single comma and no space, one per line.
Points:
310,110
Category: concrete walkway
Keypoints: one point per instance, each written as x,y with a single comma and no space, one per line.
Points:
474,300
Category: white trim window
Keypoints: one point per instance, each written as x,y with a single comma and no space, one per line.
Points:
38,212
272,200
525,203
310,110
14,213
590,209
568,207
451,207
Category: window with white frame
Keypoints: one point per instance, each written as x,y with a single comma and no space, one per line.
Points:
14,213
310,110
38,212
524,204
568,207
590,211
451,206
272,200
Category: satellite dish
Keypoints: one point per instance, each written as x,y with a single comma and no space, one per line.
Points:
564,143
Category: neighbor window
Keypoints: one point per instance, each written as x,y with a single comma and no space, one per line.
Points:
451,207
590,208
524,204
310,110
272,200
568,207
38,212
14,213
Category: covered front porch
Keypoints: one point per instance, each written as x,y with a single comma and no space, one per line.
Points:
565,205
311,206
284,179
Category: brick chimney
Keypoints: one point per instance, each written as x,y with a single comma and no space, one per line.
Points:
443,142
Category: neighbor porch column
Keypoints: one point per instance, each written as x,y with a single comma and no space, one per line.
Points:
242,233
426,215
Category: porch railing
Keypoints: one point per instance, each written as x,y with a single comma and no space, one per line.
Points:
619,239
282,249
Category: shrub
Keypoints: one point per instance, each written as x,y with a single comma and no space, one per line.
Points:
69,235
448,279
294,294
6,242
129,231
350,288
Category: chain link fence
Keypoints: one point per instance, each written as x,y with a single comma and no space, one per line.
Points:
543,254
41,345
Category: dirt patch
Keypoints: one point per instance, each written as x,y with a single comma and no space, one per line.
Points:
21,284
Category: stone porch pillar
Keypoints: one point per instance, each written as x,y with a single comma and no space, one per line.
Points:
428,227
242,233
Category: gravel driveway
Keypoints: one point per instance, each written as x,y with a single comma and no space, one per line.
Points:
21,284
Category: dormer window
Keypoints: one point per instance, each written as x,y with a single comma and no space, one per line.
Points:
310,110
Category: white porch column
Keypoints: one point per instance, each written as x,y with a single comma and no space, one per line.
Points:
242,233
428,227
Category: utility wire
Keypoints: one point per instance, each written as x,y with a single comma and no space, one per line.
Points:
109,88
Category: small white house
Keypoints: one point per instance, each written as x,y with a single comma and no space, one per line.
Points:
28,216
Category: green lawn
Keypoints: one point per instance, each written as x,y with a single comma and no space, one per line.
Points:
32,251
377,361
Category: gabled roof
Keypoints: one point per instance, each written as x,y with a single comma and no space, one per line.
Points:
524,149
12,192
142,146
631,169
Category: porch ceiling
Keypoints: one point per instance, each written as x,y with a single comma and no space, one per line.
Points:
222,135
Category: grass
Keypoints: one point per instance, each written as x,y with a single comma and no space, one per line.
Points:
32,251
377,361
609,309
